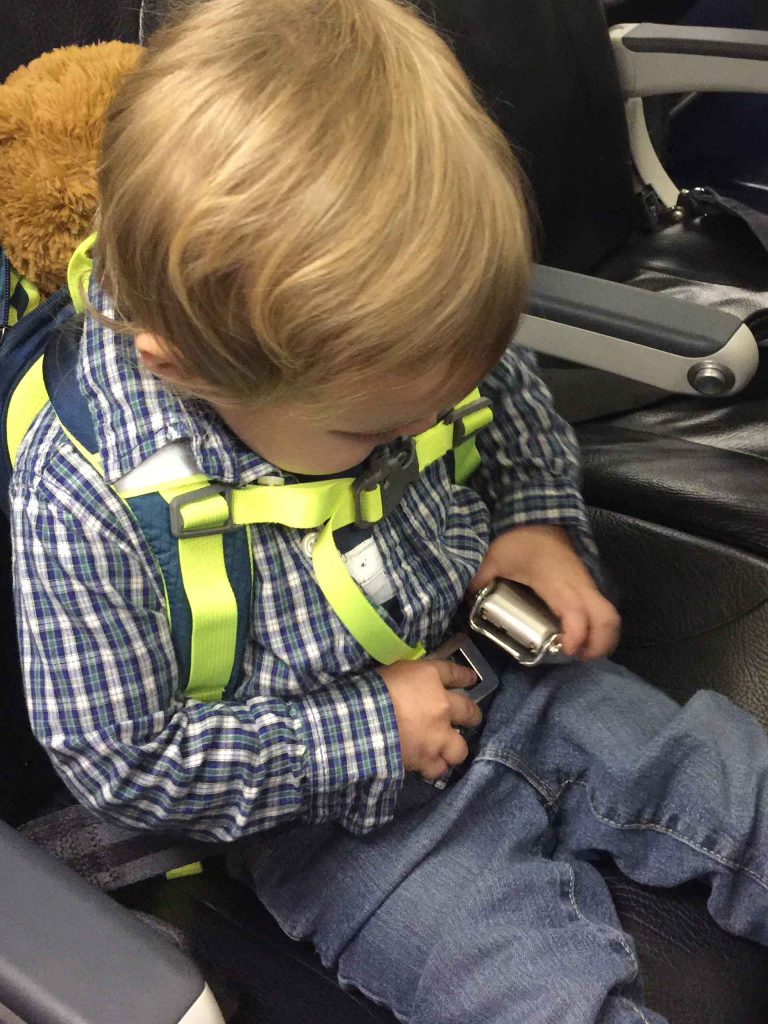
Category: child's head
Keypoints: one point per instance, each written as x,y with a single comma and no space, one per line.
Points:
303,198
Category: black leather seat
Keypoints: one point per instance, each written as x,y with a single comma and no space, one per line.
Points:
546,68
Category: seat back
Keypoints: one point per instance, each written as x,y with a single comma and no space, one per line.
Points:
546,71
29,28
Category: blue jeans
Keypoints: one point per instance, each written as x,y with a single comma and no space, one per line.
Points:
479,902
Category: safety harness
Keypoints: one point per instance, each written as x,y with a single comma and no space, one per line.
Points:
199,531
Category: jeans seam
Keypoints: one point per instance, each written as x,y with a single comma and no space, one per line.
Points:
344,980
617,932
572,899
511,760
656,827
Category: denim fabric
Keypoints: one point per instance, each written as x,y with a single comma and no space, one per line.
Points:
479,903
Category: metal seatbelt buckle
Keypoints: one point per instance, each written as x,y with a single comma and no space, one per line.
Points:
516,619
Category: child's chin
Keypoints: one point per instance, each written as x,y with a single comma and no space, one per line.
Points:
325,467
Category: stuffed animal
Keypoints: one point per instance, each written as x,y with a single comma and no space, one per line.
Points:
51,121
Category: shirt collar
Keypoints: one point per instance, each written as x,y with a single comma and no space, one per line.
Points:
135,414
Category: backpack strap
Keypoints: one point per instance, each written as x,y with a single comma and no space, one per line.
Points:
18,295
209,607
23,394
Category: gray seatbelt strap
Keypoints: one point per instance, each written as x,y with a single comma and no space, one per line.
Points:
707,200
110,856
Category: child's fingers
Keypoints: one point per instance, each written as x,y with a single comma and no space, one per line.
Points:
464,711
455,749
574,626
454,675
604,629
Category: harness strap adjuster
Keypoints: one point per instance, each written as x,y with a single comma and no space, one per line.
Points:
457,416
178,528
392,470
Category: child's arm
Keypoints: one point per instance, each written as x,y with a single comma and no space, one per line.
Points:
102,688
540,532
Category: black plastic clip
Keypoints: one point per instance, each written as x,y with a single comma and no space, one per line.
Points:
457,415
394,468
179,530
651,211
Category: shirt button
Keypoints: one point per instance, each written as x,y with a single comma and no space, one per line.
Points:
308,542
301,750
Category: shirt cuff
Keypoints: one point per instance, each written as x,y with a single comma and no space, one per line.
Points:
551,503
354,764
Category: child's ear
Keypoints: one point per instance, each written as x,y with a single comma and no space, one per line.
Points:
157,355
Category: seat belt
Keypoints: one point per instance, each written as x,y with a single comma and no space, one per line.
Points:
111,856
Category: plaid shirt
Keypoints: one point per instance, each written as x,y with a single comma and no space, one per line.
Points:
309,734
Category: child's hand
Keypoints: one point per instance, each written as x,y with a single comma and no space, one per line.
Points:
427,713
542,558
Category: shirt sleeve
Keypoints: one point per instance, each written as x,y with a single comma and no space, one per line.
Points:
530,470
102,691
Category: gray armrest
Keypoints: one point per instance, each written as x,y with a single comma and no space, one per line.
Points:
673,345
656,59
71,955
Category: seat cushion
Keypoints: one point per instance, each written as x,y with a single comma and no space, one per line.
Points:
694,973
713,260
695,465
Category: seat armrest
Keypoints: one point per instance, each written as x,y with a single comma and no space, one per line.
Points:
670,344
71,955
656,59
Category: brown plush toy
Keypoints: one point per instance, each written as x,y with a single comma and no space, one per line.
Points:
51,120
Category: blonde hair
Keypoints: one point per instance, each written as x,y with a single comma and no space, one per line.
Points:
300,196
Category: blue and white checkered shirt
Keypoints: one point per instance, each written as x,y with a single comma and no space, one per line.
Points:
309,734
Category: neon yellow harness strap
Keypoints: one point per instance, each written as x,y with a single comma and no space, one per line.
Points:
331,504
213,606
29,399
79,272
351,605
211,599
334,503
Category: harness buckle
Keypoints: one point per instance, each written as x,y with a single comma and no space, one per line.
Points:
393,469
458,413
179,530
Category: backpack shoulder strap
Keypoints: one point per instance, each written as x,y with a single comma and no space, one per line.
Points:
208,601
23,394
